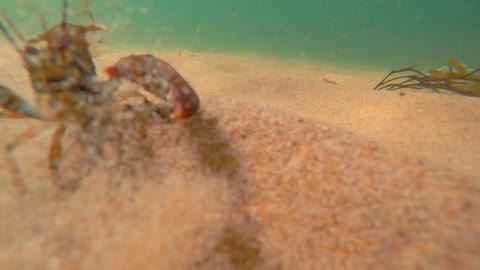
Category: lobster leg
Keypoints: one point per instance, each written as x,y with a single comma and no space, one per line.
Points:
55,154
18,181
56,148
15,106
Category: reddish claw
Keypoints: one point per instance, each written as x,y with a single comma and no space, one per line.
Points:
159,78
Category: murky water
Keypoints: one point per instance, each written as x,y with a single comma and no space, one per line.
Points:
375,33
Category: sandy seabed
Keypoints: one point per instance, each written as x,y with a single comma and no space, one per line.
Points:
284,167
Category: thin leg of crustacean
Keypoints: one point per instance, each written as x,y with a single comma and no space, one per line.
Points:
55,155
56,148
16,107
12,164
18,181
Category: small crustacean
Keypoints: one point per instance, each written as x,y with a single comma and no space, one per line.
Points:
67,92
62,75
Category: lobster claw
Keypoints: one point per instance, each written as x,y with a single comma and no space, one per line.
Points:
159,78
183,99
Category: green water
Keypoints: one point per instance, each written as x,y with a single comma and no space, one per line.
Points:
371,33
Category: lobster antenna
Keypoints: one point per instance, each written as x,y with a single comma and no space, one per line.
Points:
65,11
12,26
43,24
11,40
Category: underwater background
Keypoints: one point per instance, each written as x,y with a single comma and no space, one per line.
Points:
374,34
